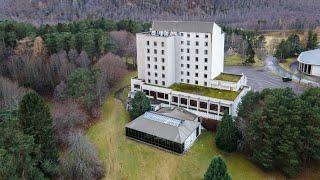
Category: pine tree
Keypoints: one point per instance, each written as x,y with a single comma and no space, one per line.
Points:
35,120
217,170
250,53
312,41
227,135
139,105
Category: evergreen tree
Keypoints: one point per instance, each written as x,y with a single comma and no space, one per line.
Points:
217,170
312,41
139,105
17,150
250,53
35,119
81,86
227,135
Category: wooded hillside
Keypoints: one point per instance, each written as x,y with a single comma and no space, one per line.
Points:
253,14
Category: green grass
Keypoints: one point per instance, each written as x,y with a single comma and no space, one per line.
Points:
205,91
127,159
286,65
228,77
237,60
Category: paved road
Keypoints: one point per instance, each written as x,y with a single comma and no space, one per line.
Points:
261,78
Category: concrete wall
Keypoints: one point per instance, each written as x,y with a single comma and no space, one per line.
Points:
315,70
191,139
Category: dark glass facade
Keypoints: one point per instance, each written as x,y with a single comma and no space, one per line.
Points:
154,140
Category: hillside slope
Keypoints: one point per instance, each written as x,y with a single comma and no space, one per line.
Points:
263,14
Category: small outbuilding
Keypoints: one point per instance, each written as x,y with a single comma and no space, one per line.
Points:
174,129
309,62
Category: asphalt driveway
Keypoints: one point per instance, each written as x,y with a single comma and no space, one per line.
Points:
261,78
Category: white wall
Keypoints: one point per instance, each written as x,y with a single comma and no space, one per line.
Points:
190,140
315,70
217,51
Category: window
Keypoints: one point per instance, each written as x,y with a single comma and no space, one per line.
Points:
197,51
155,67
203,105
188,65
161,95
163,83
181,65
148,58
183,101
155,59
188,50
162,52
196,74
181,50
196,82
162,44
205,75
205,83
181,72
163,76
175,99
188,81
188,58
156,74
155,43
181,42
136,86
206,36
181,34
197,59
149,66
148,73
193,103
181,80
162,60
149,81
148,43
205,60
155,51
205,43
148,50
188,73
205,67
163,68
205,52
197,67
197,35
197,43
181,57
188,35
156,81
188,43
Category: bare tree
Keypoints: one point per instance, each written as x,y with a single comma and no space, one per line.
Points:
81,160
10,93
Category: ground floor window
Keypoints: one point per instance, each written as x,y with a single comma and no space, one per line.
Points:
154,140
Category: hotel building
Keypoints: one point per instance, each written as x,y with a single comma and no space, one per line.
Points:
180,64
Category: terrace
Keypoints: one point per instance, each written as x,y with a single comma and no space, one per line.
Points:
205,91
228,77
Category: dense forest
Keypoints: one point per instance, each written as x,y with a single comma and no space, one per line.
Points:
253,14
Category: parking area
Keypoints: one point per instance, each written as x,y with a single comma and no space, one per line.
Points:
261,78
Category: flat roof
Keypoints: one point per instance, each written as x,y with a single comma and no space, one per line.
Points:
205,91
165,127
183,26
228,77
310,57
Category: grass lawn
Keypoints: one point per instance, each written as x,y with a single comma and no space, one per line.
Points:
286,65
236,60
127,159
205,91
228,77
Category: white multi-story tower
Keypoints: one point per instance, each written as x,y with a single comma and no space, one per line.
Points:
180,52
180,64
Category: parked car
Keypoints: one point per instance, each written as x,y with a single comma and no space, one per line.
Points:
286,79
